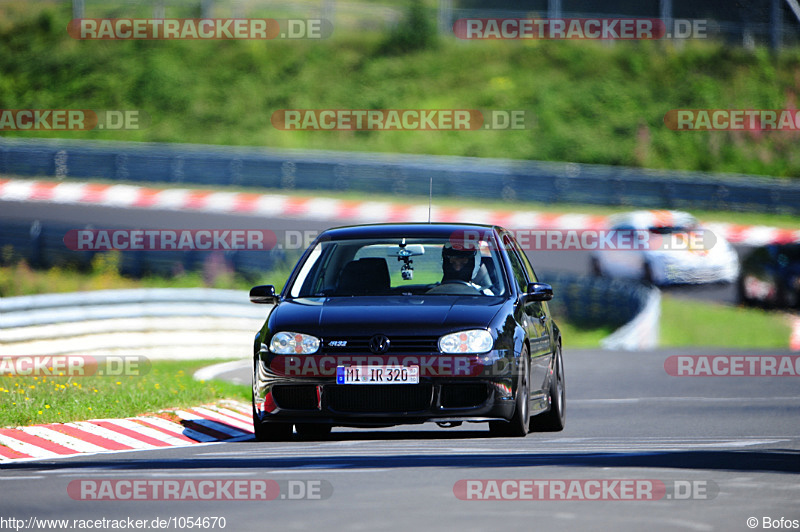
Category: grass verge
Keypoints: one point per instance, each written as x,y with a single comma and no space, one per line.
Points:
168,384
702,324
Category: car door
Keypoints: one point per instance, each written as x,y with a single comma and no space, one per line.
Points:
531,318
541,346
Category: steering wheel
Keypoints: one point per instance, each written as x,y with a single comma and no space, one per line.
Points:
457,281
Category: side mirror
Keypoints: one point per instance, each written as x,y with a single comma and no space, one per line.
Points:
538,292
264,294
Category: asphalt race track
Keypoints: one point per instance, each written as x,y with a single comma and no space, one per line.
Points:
734,441
573,261
722,449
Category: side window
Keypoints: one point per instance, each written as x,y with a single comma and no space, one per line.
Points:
528,267
516,265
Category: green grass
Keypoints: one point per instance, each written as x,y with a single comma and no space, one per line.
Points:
589,102
686,323
574,337
168,384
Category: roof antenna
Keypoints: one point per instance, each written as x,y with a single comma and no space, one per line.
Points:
430,200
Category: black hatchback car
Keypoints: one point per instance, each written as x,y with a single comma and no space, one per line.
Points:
388,324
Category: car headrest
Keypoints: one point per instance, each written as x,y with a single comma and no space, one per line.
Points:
364,276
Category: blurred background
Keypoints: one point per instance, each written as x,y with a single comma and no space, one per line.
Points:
595,141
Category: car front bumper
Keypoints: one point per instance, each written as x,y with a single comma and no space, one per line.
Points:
451,388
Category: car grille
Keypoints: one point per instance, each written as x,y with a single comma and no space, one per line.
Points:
397,345
295,397
379,398
463,395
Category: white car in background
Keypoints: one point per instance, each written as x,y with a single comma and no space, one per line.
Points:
665,247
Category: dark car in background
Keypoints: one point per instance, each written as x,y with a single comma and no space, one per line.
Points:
770,276
388,324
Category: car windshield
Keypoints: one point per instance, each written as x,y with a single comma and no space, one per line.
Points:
670,229
399,266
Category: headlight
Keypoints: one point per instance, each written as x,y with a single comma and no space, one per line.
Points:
292,343
474,341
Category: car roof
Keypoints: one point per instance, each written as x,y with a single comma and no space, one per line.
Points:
409,230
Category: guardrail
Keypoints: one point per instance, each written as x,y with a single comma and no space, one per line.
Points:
583,301
632,307
42,245
400,174
45,309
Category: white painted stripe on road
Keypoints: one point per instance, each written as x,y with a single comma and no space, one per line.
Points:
68,192
121,196
25,448
221,201
62,439
219,416
321,209
103,432
171,199
248,420
177,429
147,431
219,427
372,211
19,190
270,205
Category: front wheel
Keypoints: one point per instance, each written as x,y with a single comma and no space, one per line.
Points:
313,431
554,419
270,431
518,426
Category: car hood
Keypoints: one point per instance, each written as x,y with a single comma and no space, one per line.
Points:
357,316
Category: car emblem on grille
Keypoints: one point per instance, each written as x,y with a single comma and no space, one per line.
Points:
379,344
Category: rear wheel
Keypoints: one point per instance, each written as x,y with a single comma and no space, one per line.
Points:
518,426
554,419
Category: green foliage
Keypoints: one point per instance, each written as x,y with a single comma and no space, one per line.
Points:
26,400
590,102
415,32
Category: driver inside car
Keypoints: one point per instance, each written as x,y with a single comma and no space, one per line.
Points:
465,265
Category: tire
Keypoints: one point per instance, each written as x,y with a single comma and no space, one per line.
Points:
313,431
518,426
741,296
270,431
554,419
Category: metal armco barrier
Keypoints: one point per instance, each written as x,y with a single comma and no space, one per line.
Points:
42,245
398,174
632,307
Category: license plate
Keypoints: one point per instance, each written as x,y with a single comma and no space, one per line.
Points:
377,375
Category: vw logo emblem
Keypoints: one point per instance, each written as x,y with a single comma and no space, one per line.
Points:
379,344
